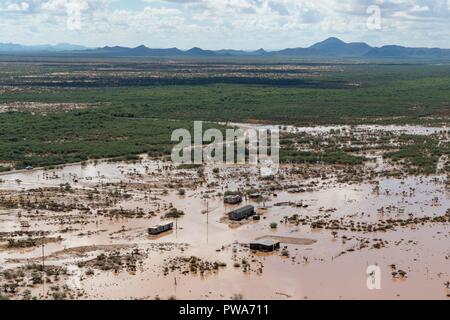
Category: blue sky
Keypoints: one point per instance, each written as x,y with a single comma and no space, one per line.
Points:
217,24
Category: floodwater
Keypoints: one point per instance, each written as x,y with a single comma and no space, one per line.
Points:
328,267
355,129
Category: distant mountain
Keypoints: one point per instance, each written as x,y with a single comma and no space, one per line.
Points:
240,53
295,52
335,46
65,47
12,47
144,51
232,52
405,52
200,52
331,47
110,50
141,51
260,51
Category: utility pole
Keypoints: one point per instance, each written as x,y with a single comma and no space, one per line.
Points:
176,229
43,268
207,222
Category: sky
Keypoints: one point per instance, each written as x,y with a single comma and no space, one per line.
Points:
225,24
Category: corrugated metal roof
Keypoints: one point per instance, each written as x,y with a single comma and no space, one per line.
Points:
243,209
266,242
162,225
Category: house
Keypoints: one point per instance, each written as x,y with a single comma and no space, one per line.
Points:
266,245
232,199
242,213
160,228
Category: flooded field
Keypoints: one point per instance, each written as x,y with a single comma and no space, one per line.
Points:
80,231
355,129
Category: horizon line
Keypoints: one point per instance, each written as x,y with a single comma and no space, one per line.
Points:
87,47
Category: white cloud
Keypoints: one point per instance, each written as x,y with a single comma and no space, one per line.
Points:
14,6
418,8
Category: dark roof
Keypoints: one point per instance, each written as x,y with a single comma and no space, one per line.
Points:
162,225
244,209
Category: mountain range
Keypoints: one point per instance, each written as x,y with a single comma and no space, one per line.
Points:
331,47
12,47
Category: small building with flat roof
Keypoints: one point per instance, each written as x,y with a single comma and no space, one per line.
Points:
266,245
242,213
160,228
234,199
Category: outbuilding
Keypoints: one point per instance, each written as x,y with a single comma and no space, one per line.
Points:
242,213
160,228
234,199
266,245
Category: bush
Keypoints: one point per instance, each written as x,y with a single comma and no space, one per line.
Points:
174,213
